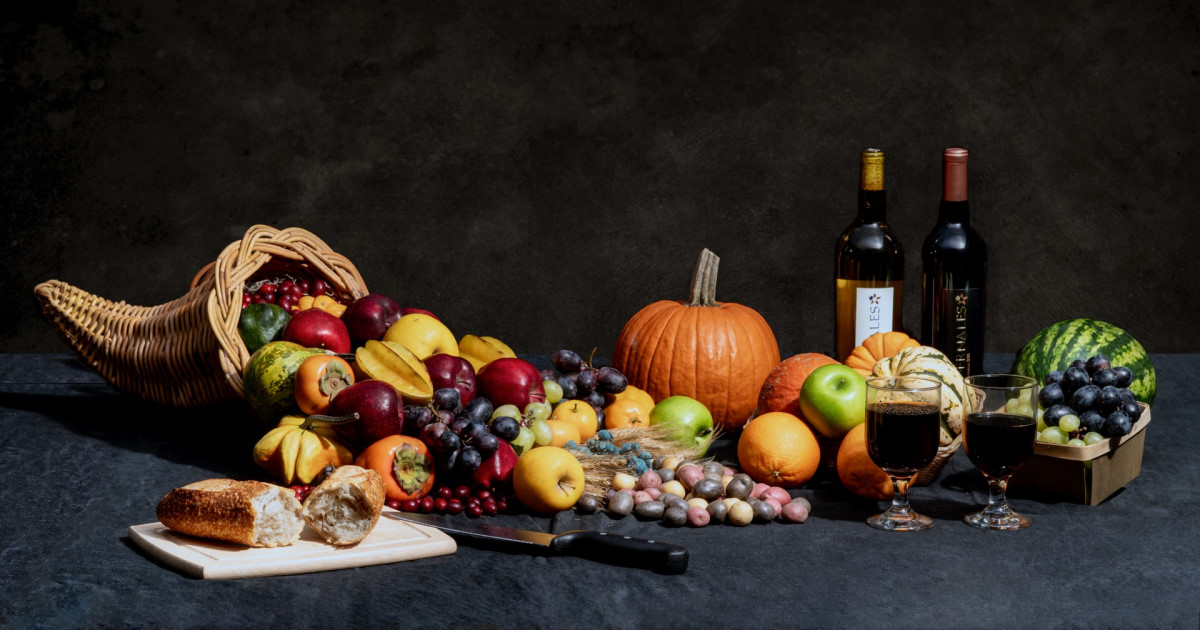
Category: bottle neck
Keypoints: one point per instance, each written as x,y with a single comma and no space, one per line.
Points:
953,208
872,202
872,206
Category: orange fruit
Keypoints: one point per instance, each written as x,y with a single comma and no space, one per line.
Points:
858,473
564,431
627,412
781,390
634,393
580,414
779,449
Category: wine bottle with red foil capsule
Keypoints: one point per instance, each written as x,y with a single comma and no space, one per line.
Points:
954,274
869,262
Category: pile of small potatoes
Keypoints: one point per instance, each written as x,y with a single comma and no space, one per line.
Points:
684,493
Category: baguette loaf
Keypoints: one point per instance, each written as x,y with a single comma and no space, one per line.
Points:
346,506
247,512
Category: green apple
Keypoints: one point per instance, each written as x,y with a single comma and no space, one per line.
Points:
833,400
691,420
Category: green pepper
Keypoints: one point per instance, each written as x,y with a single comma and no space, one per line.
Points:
261,324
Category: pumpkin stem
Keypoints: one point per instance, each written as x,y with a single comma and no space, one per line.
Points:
704,280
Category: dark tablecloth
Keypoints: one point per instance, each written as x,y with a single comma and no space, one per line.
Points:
83,463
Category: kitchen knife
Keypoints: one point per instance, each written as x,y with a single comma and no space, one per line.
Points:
600,546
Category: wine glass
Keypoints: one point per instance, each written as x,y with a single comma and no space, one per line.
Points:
903,426
998,436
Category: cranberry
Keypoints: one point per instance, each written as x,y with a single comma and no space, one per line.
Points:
395,504
286,286
410,505
474,511
483,495
256,299
269,298
472,502
489,508
426,504
439,504
502,504
462,492
445,492
268,289
304,285
454,506
317,287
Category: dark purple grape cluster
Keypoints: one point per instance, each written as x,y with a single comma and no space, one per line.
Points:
581,381
1095,392
460,437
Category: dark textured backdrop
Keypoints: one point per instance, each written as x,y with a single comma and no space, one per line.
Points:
538,172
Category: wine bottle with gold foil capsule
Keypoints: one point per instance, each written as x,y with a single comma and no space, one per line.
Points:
870,266
954,274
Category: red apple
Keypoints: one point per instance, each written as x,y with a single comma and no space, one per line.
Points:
510,381
380,412
369,317
315,328
408,310
495,473
447,370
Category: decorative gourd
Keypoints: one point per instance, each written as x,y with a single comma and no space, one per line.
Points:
299,448
927,362
716,352
877,347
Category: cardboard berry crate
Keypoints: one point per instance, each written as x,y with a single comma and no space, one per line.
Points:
1083,474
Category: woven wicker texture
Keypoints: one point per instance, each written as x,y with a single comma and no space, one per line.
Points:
187,352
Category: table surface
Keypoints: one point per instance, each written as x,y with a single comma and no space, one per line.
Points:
86,462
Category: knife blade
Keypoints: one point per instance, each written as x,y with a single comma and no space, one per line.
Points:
599,546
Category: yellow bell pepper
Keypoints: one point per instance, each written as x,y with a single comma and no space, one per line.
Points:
299,448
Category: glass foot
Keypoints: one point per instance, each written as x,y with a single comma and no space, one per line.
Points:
900,522
997,520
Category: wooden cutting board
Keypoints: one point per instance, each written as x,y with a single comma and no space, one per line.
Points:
390,541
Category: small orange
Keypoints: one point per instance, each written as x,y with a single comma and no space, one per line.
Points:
631,392
777,448
564,431
580,414
858,473
627,412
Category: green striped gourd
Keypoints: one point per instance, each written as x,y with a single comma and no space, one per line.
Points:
927,362
1057,345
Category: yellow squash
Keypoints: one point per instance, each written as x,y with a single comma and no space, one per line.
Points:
299,448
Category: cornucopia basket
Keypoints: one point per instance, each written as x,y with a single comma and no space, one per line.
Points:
187,352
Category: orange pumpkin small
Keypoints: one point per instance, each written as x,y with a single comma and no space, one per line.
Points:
404,463
877,347
716,352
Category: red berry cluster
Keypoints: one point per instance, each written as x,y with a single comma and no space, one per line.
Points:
285,293
455,500
302,491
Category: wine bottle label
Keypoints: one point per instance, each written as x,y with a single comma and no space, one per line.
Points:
959,333
872,312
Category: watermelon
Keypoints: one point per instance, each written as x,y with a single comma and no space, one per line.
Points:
1057,345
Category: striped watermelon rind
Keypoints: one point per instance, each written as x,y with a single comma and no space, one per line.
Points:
1057,345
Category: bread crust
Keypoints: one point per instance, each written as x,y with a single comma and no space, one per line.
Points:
366,502
221,509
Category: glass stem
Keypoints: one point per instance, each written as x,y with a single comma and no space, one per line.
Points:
900,495
997,501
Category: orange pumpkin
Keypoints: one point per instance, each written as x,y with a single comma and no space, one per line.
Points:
716,352
877,347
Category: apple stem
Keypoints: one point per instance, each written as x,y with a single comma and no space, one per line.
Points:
704,280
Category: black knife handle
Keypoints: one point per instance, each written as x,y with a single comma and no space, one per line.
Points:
622,550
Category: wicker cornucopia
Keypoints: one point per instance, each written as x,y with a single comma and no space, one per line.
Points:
187,352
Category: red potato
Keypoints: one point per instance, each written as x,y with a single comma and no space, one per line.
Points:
759,488
649,479
795,512
698,516
688,475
